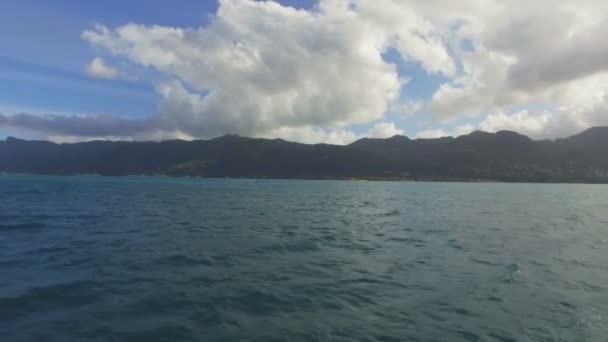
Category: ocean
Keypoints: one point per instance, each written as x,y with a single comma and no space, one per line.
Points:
89,258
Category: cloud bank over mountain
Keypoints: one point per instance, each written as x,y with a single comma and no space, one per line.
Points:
263,69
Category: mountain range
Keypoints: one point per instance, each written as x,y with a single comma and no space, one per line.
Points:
503,156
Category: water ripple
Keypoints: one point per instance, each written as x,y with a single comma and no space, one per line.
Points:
158,259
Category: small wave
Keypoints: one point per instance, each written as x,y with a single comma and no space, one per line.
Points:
454,243
259,301
360,281
391,213
485,262
590,287
501,337
494,299
183,260
11,262
163,333
462,312
18,217
407,240
52,297
567,305
88,216
52,249
296,246
468,335
21,226
573,218
512,270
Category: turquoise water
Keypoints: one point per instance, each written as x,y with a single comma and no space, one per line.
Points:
166,259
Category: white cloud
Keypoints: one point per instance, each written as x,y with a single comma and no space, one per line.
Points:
264,69
462,130
523,122
384,130
478,90
526,53
407,108
309,134
409,31
432,134
98,68
312,135
260,67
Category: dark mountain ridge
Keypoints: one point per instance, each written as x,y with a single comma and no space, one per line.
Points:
502,156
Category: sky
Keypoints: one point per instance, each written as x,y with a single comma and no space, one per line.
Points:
325,71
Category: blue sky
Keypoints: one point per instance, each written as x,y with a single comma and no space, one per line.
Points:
42,60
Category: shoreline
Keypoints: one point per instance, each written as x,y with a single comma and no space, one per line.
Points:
345,179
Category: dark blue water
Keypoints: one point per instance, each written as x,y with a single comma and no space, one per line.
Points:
163,259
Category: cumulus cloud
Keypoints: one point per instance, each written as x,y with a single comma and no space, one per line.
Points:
261,68
384,130
312,135
547,53
523,122
546,124
380,130
432,134
264,69
462,130
98,68
541,124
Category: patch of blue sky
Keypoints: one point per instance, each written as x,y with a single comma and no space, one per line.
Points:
421,85
53,89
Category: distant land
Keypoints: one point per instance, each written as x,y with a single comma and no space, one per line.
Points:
503,156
